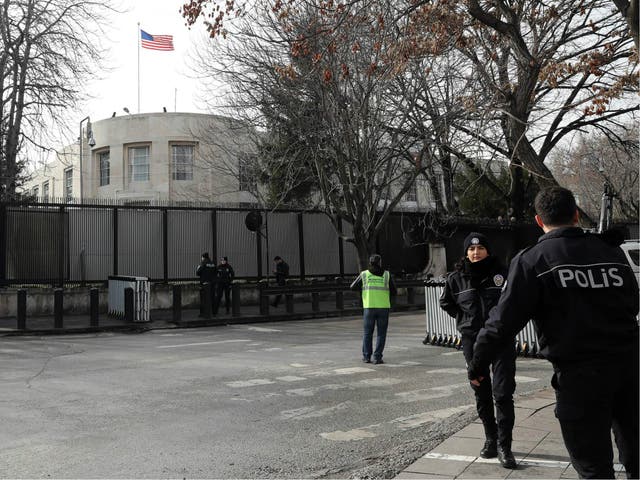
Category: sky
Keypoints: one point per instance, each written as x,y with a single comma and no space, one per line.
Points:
164,76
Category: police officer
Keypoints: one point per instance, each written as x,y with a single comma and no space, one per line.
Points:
224,279
281,272
377,286
469,293
583,298
206,270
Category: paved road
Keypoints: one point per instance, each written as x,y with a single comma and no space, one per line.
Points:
289,399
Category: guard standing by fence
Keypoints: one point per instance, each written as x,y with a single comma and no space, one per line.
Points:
377,288
224,278
281,272
207,273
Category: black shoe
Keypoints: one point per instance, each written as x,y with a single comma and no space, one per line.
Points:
378,361
366,360
490,449
506,458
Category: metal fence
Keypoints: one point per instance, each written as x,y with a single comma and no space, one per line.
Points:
441,328
69,243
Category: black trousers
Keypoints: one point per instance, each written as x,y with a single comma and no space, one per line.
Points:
223,289
592,399
496,388
208,290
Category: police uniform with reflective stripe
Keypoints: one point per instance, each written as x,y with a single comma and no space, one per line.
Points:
583,298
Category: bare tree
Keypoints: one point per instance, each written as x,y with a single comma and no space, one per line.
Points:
596,158
334,115
550,70
48,48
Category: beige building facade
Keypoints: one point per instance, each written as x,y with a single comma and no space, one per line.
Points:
148,158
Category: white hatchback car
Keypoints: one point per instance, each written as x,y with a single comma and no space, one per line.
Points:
631,249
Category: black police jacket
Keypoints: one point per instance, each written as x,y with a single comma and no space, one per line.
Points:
472,291
581,294
206,271
225,273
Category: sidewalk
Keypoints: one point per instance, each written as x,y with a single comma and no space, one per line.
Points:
537,446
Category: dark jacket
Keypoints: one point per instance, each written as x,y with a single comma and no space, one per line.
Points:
581,294
206,271
282,272
471,291
356,285
225,273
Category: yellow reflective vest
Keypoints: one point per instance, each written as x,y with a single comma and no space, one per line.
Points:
375,290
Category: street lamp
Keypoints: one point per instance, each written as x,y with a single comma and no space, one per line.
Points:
90,140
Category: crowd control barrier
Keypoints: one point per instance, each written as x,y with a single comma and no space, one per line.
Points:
118,286
441,328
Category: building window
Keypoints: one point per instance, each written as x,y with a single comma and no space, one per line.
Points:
45,192
182,162
35,192
246,175
139,164
68,183
411,195
103,159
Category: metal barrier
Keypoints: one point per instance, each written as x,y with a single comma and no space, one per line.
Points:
441,328
117,296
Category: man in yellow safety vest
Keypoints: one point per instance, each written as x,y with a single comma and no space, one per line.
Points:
377,287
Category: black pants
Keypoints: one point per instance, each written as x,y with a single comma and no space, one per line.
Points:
278,297
208,289
223,289
593,398
498,387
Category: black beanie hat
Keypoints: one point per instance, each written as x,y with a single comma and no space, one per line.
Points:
476,238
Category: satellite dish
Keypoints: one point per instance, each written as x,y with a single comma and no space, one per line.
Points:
253,220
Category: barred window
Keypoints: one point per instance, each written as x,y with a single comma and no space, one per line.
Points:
68,183
139,164
246,175
105,168
182,162
411,195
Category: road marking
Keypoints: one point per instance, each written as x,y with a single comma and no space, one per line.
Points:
201,343
430,393
529,461
413,421
291,378
457,352
310,392
272,349
349,371
403,423
298,365
311,412
379,382
402,364
262,329
448,371
250,383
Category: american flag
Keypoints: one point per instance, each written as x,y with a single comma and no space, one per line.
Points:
156,42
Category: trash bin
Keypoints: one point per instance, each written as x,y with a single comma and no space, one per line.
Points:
140,286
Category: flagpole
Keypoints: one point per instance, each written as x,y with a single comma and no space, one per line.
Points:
138,41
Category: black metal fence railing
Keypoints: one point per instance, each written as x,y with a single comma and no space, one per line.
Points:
300,301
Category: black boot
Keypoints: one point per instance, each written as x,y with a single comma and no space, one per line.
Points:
505,457
490,449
